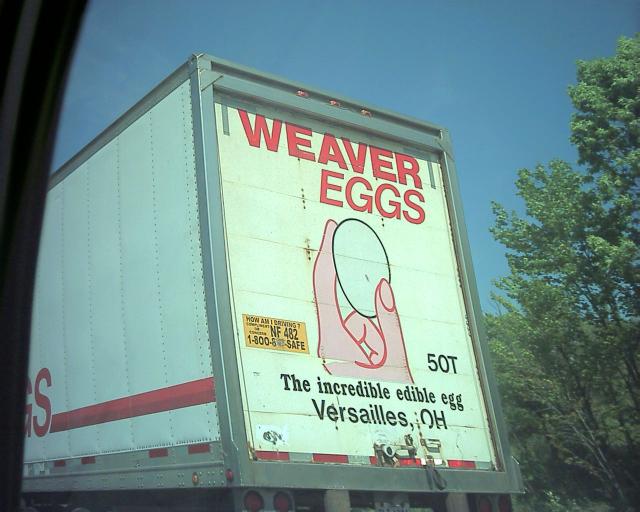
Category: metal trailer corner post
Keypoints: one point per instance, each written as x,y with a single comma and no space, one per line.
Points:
217,80
510,464
227,382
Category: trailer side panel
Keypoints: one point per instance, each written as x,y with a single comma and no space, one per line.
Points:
120,355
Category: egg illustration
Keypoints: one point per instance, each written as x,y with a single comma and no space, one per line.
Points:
361,261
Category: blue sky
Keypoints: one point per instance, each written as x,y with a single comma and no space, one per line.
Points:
494,73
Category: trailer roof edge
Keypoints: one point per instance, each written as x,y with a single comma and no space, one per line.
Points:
222,65
205,61
123,121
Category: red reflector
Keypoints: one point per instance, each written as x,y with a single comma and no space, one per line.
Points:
462,464
198,448
158,452
504,503
330,457
334,103
253,501
484,505
228,474
264,455
281,502
409,462
59,463
88,460
302,94
373,460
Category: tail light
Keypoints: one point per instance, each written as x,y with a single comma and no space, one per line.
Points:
282,502
504,503
484,505
253,502
462,464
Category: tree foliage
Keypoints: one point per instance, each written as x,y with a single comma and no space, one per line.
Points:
566,343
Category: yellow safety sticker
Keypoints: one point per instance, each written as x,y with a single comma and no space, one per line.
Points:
275,334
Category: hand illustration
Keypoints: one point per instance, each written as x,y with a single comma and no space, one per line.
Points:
357,346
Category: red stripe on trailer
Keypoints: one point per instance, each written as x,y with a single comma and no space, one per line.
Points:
330,457
158,452
59,463
88,460
199,448
462,464
267,455
196,392
373,460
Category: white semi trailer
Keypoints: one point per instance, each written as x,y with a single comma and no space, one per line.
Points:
255,295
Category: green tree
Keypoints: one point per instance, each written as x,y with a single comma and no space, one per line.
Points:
566,342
